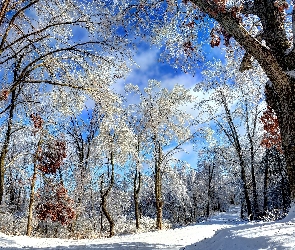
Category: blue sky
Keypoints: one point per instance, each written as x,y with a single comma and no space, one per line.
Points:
147,58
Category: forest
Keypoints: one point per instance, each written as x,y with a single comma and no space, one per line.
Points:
81,157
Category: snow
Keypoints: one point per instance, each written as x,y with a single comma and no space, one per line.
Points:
291,73
223,231
269,84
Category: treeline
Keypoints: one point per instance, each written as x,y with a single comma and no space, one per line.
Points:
104,173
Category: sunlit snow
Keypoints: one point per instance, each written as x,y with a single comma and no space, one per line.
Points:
222,231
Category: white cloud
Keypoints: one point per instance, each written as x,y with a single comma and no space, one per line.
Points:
146,67
89,103
147,59
183,79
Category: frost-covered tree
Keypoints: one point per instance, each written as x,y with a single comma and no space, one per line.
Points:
115,142
139,157
175,189
167,127
229,105
66,49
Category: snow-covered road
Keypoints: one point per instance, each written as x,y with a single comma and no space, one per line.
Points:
167,239
223,231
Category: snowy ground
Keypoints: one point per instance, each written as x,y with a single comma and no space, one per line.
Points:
223,231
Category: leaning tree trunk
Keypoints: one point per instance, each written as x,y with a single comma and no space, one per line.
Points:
104,196
274,61
238,149
280,90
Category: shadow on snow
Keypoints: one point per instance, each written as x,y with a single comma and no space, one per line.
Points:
106,246
272,236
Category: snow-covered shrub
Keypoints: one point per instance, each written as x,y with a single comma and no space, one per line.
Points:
12,224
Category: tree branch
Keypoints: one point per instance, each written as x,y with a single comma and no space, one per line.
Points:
57,84
178,146
270,64
4,7
12,21
40,31
293,25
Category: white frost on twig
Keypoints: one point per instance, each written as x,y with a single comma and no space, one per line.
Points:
291,73
289,50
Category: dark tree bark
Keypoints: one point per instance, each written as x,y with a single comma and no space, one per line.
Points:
104,197
284,184
158,186
209,190
265,184
286,116
136,190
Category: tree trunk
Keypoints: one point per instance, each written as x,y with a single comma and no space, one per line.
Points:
273,60
5,146
252,156
101,221
280,90
254,191
32,194
158,188
108,216
285,187
210,177
104,196
12,191
208,208
245,190
237,145
284,107
136,190
288,142
265,183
